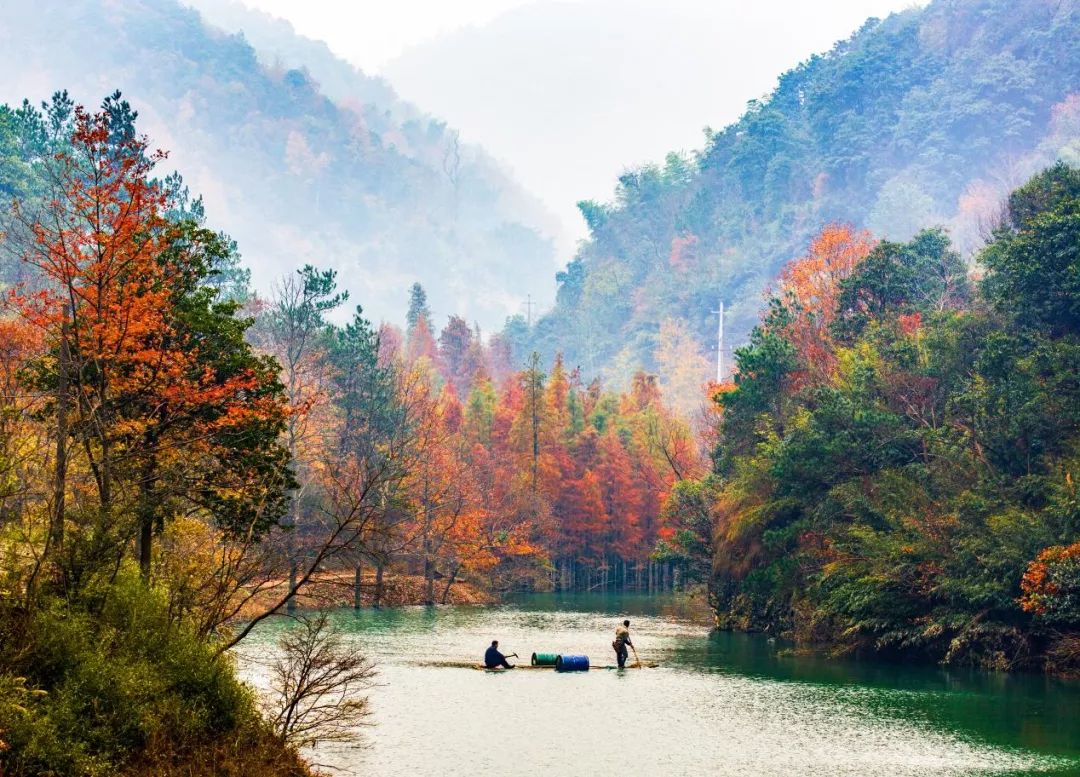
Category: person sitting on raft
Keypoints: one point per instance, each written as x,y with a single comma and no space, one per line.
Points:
493,659
622,639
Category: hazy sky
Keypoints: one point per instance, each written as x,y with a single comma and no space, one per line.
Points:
370,33
569,93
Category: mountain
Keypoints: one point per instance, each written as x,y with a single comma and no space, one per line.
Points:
570,92
929,116
345,176
278,45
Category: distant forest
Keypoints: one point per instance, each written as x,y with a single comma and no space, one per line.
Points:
929,117
895,462
357,180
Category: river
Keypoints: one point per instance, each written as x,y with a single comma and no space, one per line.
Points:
718,704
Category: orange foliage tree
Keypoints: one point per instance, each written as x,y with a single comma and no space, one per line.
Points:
151,380
809,288
1051,585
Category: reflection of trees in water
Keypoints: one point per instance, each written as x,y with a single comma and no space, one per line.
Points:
1013,710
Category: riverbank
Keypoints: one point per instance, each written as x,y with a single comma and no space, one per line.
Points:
115,685
334,589
802,632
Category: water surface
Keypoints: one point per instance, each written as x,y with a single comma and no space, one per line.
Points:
719,704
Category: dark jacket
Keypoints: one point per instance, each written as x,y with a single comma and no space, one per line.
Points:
493,658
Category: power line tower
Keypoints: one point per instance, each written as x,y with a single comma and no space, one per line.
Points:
528,310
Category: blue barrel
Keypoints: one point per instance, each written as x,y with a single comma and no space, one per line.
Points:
572,664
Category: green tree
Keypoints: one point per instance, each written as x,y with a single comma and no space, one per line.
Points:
1033,264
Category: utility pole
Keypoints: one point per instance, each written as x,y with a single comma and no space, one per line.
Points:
528,310
720,345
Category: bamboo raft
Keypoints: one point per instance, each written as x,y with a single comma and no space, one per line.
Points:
523,666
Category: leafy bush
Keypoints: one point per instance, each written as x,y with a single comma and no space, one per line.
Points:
91,693
1051,585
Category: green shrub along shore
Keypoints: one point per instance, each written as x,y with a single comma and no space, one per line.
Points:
896,462
110,685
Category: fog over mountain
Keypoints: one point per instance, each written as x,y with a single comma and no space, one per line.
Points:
570,94
343,175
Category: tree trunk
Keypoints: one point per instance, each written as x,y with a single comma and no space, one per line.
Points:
429,582
105,482
146,537
429,575
294,503
450,582
290,549
60,470
147,508
357,578
377,599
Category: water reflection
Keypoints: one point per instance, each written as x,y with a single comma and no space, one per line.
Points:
1024,711
721,703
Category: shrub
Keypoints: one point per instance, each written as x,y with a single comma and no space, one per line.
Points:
1051,586
91,693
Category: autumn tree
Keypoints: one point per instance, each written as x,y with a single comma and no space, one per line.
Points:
439,489
292,332
683,368
461,356
419,331
154,384
809,288
620,496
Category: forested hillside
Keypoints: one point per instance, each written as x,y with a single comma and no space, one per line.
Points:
277,44
362,182
627,81
928,117
895,463
181,459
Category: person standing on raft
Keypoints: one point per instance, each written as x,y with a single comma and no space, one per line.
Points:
622,640
493,659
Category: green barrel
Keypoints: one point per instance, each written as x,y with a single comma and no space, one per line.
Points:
544,659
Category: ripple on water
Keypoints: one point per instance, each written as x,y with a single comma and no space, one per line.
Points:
679,719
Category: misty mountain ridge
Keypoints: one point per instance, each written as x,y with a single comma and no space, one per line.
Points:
927,117
574,93
358,180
